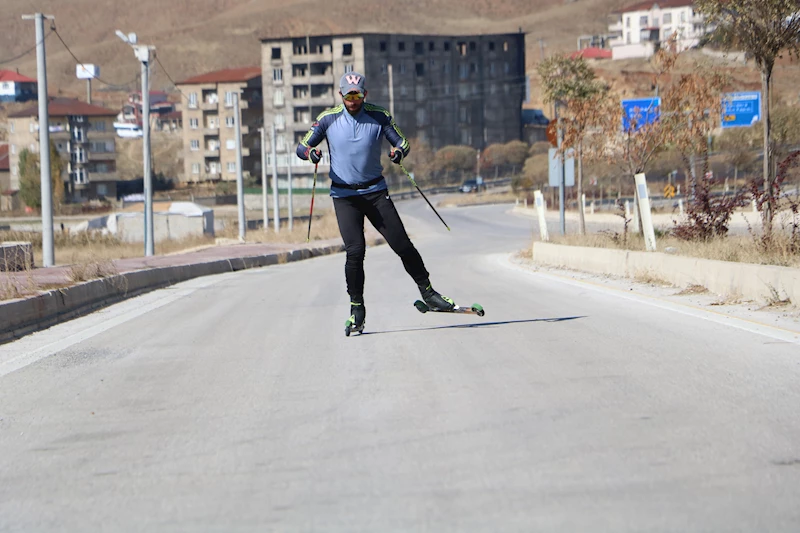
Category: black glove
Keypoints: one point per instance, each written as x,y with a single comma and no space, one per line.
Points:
396,155
314,155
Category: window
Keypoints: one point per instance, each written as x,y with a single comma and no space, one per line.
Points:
446,68
491,47
419,48
230,122
277,74
193,123
31,127
280,121
403,90
505,46
432,63
402,68
420,92
506,68
628,38
194,144
463,71
420,69
431,46
213,123
383,46
229,98
667,18
473,68
195,168
683,16
11,128
462,116
462,48
100,126
420,117
280,143
230,144
348,68
192,99
446,46
277,98
13,148
232,168
472,46
401,46
475,88
627,22
14,170
276,53
347,49
102,189
492,69
643,20
384,68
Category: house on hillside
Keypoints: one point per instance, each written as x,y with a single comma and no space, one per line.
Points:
639,29
14,87
209,136
82,133
131,113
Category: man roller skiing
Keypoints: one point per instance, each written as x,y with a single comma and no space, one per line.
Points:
354,131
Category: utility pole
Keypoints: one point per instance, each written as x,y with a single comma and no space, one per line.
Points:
48,249
391,90
562,184
276,211
265,214
289,178
237,122
143,53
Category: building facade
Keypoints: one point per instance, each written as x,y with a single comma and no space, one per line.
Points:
14,87
637,30
441,90
209,134
82,133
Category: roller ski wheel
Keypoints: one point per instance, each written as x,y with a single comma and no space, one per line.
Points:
355,324
474,309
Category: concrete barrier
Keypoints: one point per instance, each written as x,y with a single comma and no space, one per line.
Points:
16,256
21,317
735,281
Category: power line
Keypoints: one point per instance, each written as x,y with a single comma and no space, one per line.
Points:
26,52
160,64
78,61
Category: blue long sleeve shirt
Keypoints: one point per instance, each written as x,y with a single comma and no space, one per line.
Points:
354,143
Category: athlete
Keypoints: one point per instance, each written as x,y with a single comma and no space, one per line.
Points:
354,131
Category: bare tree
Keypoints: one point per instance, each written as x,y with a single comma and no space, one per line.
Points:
764,29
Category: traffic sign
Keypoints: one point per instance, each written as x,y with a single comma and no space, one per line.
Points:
638,112
552,133
741,110
669,191
555,168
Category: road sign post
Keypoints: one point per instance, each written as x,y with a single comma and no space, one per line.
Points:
644,211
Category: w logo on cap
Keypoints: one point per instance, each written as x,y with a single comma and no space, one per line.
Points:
353,79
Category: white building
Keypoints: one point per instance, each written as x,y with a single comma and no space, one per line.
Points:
638,30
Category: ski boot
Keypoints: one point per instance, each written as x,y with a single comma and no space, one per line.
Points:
356,321
435,301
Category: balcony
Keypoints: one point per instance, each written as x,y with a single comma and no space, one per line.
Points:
320,57
317,79
209,106
211,130
102,156
616,27
105,176
211,152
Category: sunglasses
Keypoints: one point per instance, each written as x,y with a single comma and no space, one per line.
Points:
353,97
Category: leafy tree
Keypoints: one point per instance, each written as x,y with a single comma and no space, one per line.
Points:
452,159
572,84
765,29
516,152
30,189
738,145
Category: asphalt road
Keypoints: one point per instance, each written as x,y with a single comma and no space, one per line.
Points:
236,403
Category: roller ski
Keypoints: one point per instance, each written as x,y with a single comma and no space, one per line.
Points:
434,302
355,324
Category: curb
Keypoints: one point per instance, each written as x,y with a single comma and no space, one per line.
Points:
22,317
761,283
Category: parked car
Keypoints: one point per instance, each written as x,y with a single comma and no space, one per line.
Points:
471,186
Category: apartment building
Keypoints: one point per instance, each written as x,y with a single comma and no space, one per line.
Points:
84,137
637,30
441,89
209,134
14,87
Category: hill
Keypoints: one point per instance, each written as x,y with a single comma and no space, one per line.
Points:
193,36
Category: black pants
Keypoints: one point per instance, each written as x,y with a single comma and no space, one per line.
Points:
380,211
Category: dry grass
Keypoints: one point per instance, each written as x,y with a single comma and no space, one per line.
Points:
741,249
322,228
478,198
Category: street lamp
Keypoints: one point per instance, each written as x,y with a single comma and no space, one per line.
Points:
142,53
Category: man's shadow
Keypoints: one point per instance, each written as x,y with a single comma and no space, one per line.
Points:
470,325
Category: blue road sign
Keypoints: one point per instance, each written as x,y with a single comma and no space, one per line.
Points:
638,112
741,110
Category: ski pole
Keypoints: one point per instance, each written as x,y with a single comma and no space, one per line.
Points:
414,183
311,212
